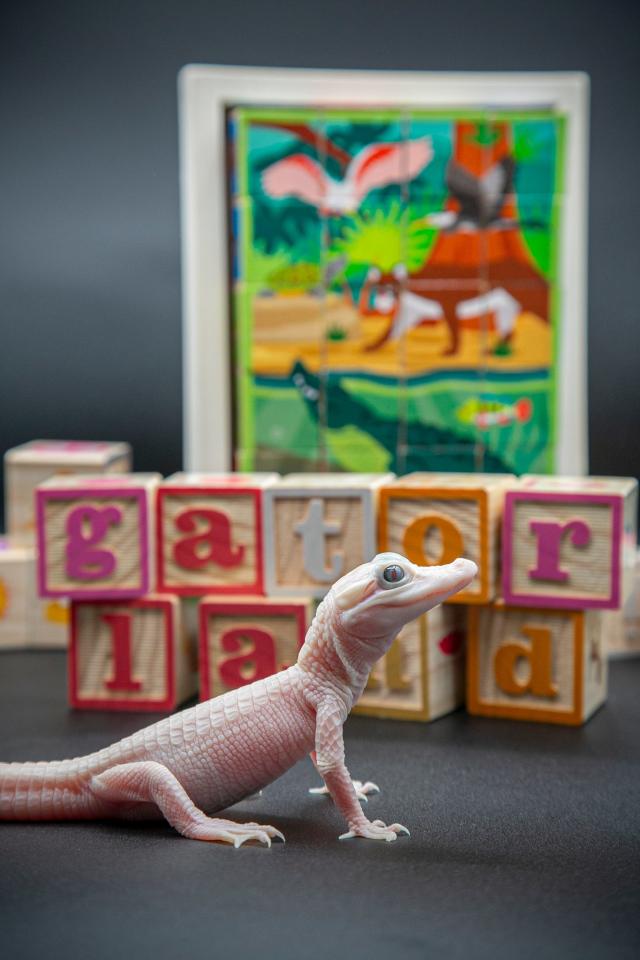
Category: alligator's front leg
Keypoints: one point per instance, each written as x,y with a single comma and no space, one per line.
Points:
331,767
362,788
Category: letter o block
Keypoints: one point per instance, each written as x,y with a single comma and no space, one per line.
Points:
434,518
130,655
532,664
210,533
94,536
569,542
421,677
243,640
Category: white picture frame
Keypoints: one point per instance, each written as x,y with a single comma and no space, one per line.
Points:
206,92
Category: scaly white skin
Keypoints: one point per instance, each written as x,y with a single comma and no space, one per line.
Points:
202,760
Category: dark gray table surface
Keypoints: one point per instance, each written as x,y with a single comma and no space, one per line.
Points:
525,843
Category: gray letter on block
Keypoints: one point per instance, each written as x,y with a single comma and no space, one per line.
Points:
313,530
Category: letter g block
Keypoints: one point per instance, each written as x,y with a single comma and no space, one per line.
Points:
94,536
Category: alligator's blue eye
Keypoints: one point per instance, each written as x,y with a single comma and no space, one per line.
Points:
393,573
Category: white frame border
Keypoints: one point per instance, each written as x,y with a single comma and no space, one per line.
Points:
205,92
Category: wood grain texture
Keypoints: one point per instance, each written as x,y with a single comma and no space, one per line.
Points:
422,675
17,595
589,567
94,653
570,686
123,540
243,518
23,475
284,633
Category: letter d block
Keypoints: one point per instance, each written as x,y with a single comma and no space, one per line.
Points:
130,655
94,536
317,527
532,664
210,533
569,542
421,677
434,518
243,640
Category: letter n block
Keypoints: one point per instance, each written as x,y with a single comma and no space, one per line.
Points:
435,518
421,677
210,533
533,664
243,640
130,655
317,527
569,542
95,534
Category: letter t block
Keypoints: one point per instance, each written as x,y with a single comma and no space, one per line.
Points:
317,527
569,542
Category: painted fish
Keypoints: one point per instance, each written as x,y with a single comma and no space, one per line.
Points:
485,414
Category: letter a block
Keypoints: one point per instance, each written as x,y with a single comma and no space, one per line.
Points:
533,664
421,677
130,655
32,463
94,536
210,533
317,527
435,518
242,640
569,542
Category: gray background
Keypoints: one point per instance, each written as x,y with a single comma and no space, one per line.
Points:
89,223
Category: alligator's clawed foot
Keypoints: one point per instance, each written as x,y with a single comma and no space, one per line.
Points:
226,831
375,830
362,790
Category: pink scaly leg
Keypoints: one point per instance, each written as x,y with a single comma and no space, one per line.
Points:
362,789
150,782
333,770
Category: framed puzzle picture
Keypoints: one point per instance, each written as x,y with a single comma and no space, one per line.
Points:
384,271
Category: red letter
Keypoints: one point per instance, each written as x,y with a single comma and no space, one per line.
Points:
262,656
120,625
216,537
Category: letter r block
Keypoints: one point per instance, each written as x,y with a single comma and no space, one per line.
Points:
434,518
569,542
210,533
245,639
95,535
421,677
317,527
130,655
533,664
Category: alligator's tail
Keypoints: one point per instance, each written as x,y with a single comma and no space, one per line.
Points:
47,791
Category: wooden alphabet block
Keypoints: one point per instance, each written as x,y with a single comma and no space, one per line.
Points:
569,541
421,677
129,655
435,518
17,594
32,463
533,664
210,533
316,528
95,536
51,623
245,639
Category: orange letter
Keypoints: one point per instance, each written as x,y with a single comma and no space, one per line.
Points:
413,540
538,653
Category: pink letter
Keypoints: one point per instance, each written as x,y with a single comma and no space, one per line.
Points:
120,624
550,534
83,562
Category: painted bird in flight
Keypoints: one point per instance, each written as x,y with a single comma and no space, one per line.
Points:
376,165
